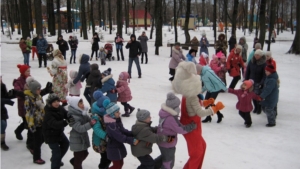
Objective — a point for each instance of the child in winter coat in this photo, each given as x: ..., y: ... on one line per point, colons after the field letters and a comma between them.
x: 223, y: 71
x: 169, y: 125
x: 99, y: 134
x: 53, y: 130
x: 270, y: 94
x: 204, y: 59
x: 93, y: 80
x: 80, y: 123
x: 74, y: 90
x: 244, y: 104
x: 191, y: 56
x: 117, y: 135
x: 102, y: 56
x: 124, y: 93
x: 215, y: 64
x: 34, y: 106
x: 108, y: 85
x: 146, y: 134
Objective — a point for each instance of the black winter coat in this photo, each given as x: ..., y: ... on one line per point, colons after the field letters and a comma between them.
x: 256, y: 70
x: 73, y: 44
x: 62, y: 45
x: 135, y: 48
x: 231, y: 42
x: 54, y: 123
x: 34, y: 41
x: 5, y: 99
x: 95, y: 45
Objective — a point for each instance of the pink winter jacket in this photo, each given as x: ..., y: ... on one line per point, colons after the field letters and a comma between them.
x: 215, y: 66
x: 177, y: 57
x: 124, y: 93
x: 244, y: 103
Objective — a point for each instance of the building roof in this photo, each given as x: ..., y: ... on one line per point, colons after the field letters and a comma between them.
x: 139, y: 14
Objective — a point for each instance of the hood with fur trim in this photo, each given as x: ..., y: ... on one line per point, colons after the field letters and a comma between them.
x: 186, y: 80
x: 167, y: 111
x: 176, y: 51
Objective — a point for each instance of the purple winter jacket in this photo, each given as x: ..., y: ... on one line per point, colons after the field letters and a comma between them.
x: 169, y: 125
x: 118, y: 135
x: 19, y: 85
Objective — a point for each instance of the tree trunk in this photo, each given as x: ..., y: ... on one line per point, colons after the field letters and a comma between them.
x: 282, y: 15
x: 158, y: 25
x: 186, y: 22
x: 109, y: 16
x: 51, y: 19
x: 119, y: 18
x: 2, y: 29
x: 58, y: 17
x: 272, y: 21
x: 234, y: 16
x: 145, y: 15
x: 126, y: 12
x: 203, y: 12
x: 175, y: 20
x: 38, y: 17
x: 133, y: 16
x: 225, y: 16
x: 277, y: 17
x: 18, y: 16
x: 30, y: 15
x: 99, y: 13
x: 88, y: 14
x: 69, y: 16
x: 215, y: 20
x: 292, y: 25
x: 251, y: 15
x: 164, y: 14
x: 295, y: 48
x: 13, y: 20
x: 152, y: 21
x: 246, y: 16
x: 9, y: 17
x: 257, y: 18
x: 24, y: 19
x: 83, y: 20
x: 92, y: 16
x: 103, y: 15
x: 262, y: 21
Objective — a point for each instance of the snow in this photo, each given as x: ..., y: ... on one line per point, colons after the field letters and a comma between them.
x: 229, y: 144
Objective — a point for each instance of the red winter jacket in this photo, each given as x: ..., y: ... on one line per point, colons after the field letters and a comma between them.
x: 234, y: 63
x: 203, y: 61
x: 244, y: 103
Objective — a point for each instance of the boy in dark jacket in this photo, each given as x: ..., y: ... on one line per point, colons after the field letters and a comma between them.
x: 55, y: 121
x: 62, y: 45
x: 270, y: 94
x: 135, y: 50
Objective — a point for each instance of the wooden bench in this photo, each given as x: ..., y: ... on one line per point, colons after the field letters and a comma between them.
x: 185, y: 46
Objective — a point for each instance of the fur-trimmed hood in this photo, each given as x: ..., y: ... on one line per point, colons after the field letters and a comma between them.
x: 186, y: 80
x: 167, y: 111
x: 260, y: 61
x: 106, y: 78
x: 176, y: 51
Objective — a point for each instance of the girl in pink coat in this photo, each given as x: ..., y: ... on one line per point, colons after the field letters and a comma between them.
x: 244, y: 104
x: 215, y: 64
x: 222, y: 61
x: 124, y: 93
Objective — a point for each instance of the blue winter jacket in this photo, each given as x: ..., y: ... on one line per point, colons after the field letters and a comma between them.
x: 108, y: 87
x: 212, y: 83
x: 191, y: 58
x: 98, y: 133
x: 42, y: 46
x: 204, y: 47
x: 270, y: 91
x: 84, y: 69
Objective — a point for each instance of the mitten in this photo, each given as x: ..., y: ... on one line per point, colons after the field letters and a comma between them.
x: 49, y: 86
x: 209, y: 102
x: 70, y: 119
x: 93, y: 122
x: 200, y: 96
x: 40, y: 104
x: 11, y: 93
x: 190, y: 127
x: 219, y: 106
x: 65, y: 123
x: 171, y: 139
x: 135, y: 142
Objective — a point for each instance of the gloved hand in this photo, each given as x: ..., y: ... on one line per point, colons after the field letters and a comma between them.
x: 135, y: 142
x: 32, y: 129
x: 193, y: 125
x: 48, y: 87
x: 70, y: 119
x: 11, y: 93
x: 65, y: 123
x: 40, y: 104
x: 171, y: 139
x: 93, y: 122
x: 200, y: 96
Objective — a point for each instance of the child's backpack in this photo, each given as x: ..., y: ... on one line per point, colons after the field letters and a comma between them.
x: 102, y: 146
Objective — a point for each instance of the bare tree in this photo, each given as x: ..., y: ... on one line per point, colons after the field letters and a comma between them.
x: 83, y: 20
x: 164, y: 13
x: 277, y: 18
x: 109, y: 16
x: 256, y: 26
x: 295, y: 48
x: 18, y: 16
x: 158, y: 25
x: 24, y: 19
x: 234, y: 16
x: 292, y: 27
x: 51, y: 17
x: 133, y: 15
x: 103, y: 16
x: 203, y: 12
x: 152, y: 13
x: 9, y: 16
x: 246, y: 15
x: 262, y: 20
x: 58, y: 17
x: 69, y: 16
x: 145, y: 15
x: 30, y: 15
x: 215, y: 20
x: 272, y: 21
x: 282, y: 16
x: 186, y: 22
x: 92, y: 16
x: 119, y: 18
x: 251, y: 15
x: 38, y: 17
x: 99, y: 12
x: 175, y: 20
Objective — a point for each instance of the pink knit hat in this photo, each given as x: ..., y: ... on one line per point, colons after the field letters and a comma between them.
x: 249, y: 83
x: 220, y: 55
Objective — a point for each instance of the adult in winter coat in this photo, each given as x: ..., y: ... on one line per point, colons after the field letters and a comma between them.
x: 73, y: 42
x: 59, y: 73
x: 270, y: 94
x: 119, y: 46
x: 95, y: 45
x: 135, y: 50
x: 108, y: 85
x: 234, y: 64
x: 244, y: 44
x: 196, y: 42
x: 81, y: 123
x: 257, y: 46
x: 256, y: 72
x: 213, y: 85
x: 83, y: 73
x: 55, y: 121
x: 187, y: 83
x: 143, y: 40
x: 5, y: 99
x: 23, y: 46
x: 176, y: 58
x: 93, y: 81
x: 62, y: 45
x: 42, y: 46
x: 33, y: 47
x: 204, y: 44
x: 221, y: 44
x: 232, y: 42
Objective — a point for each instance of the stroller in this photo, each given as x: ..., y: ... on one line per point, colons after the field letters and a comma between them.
x: 49, y: 51
x: 109, y: 50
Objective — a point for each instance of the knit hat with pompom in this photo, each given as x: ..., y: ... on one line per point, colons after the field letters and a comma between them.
x: 23, y: 68
x: 33, y: 85
x: 99, y: 97
x: 173, y: 102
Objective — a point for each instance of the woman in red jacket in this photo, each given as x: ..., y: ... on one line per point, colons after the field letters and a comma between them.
x: 234, y: 64
x: 270, y: 60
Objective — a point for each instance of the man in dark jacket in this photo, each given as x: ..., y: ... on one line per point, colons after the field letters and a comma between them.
x: 55, y: 121
x: 135, y: 50
x: 62, y: 45
x: 42, y: 46
x: 33, y: 47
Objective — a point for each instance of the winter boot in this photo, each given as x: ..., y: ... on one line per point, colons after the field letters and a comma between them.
x: 217, y: 107
x: 207, y: 119
x: 72, y: 161
x: 270, y: 125
x: 258, y: 109
x: 39, y: 161
x: 18, y: 135
x: 220, y: 116
x: 3, y: 145
x: 126, y: 114
x: 131, y: 109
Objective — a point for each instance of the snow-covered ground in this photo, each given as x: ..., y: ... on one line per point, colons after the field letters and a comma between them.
x: 229, y: 144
